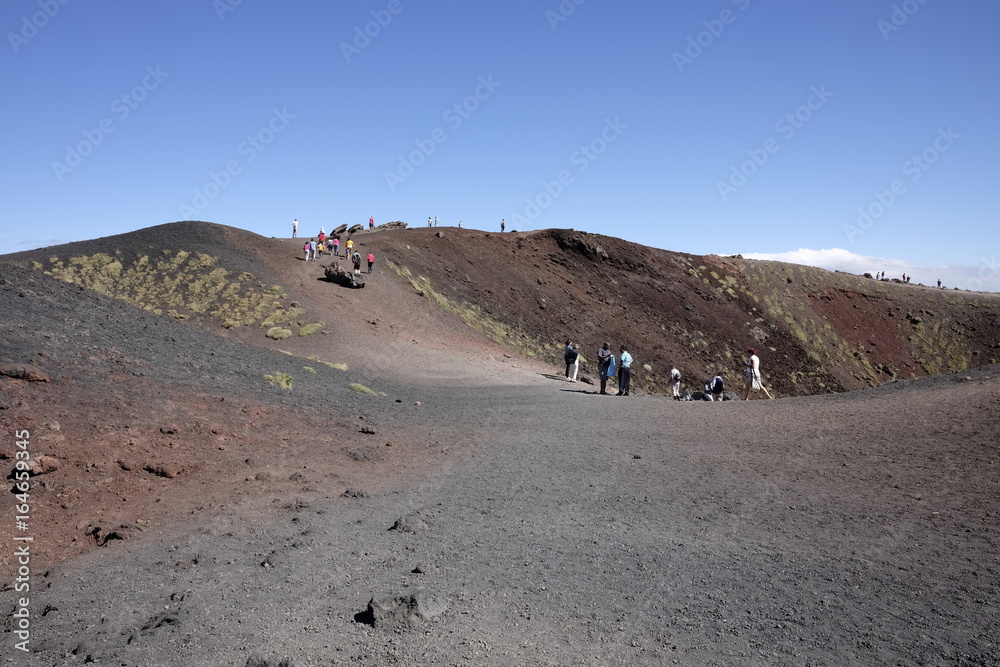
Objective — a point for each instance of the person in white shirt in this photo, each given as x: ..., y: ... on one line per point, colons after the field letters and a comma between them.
x: 624, y: 372
x: 675, y: 383
x: 753, y: 376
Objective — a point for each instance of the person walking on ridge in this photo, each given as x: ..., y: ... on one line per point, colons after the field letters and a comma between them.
x: 295, y: 228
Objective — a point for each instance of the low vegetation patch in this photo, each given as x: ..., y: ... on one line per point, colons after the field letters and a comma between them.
x: 277, y: 333
x: 310, y: 329
x: 475, y: 317
x: 283, y: 380
x: 185, y: 286
x: 361, y: 389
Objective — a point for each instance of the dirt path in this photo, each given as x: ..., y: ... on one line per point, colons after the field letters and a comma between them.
x: 578, y: 529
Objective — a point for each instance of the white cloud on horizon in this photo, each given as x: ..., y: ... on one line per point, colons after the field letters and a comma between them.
x: 984, y: 277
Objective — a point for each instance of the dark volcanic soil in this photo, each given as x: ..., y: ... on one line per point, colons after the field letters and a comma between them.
x: 491, y: 512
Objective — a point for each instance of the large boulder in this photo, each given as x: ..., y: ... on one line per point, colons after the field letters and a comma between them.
x: 346, y: 277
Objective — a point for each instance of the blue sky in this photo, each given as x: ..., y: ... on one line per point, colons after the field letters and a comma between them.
x: 852, y: 135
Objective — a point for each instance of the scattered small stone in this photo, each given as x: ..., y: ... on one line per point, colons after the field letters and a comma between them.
x: 422, y: 605
x: 43, y: 465
x: 126, y: 531
x: 256, y: 660
x: 368, y: 430
x: 410, y: 523
x: 262, y: 476
x: 24, y: 372
x: 354, y: 493
x: 366, y: 453
x: 168, y: 470
x: 636, y: 456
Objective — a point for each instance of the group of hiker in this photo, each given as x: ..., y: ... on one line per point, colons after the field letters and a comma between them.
x: 314, y: 248
x: 609, y: 367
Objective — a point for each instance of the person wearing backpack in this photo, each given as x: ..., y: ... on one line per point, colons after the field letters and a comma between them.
x: 717, y: 387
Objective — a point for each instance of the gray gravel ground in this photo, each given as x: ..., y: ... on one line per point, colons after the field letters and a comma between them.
x: 575, y: 529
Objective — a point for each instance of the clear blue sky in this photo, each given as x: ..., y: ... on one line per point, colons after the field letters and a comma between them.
x: 724, y: 126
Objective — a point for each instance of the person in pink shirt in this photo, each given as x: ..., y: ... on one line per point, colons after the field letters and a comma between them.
x: 371, y: 260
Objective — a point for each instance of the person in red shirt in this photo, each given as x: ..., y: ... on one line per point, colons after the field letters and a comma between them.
x: 371, y: 260
x: 371, y: 222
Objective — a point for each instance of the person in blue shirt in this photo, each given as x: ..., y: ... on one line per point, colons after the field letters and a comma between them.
x: 624, y: 372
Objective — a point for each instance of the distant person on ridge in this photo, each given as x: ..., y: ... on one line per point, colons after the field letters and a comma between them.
x: 436, y: 221
x: 322, y: 236
x: 371, y: 222
x: 429, y: 221
x: 371, y: 261
x: 295, y: 228
x: 753, y: 376
x: 604, y: 359
x: 624, y: 372
x: 503, y: 225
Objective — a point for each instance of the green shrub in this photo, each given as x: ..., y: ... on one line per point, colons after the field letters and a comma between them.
x: 283, y: 380
x: 277, y: 333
